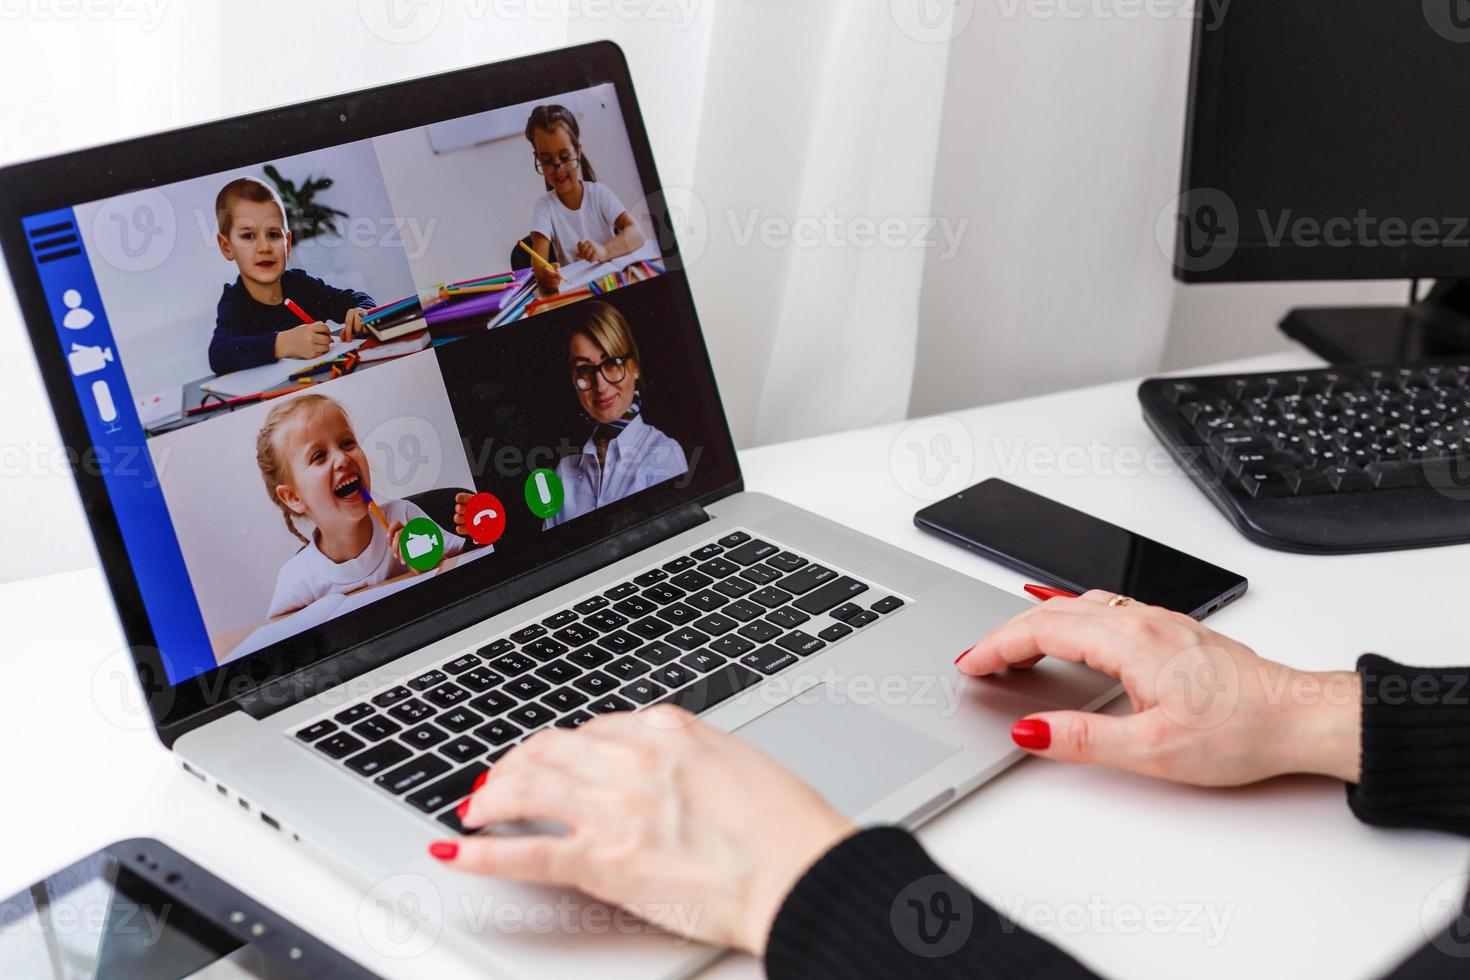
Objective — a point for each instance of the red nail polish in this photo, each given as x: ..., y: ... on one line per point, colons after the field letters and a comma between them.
x: 462, y: 809
x: 962, y: 656
x: 444, y: 850
x: 1031, y: 733
x: 479, y: 781
x: 1045, y: 592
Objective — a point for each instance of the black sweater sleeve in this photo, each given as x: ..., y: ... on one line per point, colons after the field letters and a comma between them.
x: 877, y: 906
x: 1416, y: 747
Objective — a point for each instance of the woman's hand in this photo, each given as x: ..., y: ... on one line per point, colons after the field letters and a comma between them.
x: 307, y: 340
x: 1208, y: 710
x: 673, y: 820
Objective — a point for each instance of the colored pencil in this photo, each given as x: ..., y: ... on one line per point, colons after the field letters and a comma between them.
x: 300, y: 313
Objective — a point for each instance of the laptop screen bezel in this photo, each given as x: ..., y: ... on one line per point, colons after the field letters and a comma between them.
x: 70, y: 179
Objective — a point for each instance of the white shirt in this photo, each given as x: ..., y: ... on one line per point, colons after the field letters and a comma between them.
x: 638, y: 458
x: 309, y: 574
x: 595, y: 221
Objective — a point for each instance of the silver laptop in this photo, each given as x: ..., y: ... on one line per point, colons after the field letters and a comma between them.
x: 399, y: 441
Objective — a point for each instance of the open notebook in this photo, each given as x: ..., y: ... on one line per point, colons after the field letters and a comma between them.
x: 268, y: 377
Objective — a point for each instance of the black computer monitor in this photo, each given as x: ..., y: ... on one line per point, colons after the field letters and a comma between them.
x: 1329, y: 140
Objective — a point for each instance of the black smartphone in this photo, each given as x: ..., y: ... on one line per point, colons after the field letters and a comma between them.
x: 1067, y: 549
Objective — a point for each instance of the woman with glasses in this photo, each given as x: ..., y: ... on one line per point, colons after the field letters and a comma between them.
x: 577, y: 217
x: 623, y: 454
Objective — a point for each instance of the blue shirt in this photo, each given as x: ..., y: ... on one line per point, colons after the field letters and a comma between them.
x: 245, y: 329
x: 638, y: 458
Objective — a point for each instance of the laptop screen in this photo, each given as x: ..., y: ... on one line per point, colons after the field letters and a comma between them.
x: 330, y: 391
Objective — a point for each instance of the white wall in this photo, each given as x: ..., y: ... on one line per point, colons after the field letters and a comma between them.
x: 233, y: 538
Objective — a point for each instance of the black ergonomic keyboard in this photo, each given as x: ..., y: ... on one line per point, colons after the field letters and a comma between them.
x: 1345, y: 459
x: 693, y: 631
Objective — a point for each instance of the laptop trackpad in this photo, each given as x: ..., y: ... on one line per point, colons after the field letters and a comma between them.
x: 853, y: 754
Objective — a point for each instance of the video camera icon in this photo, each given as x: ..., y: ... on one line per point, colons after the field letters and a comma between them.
x: 421, y: 544
x: 87, y: 359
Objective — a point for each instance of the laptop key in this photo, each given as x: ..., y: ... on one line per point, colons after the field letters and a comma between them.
x: 392, y: 696
x: 480, y: 679
x: 635, y: 606
x: 787, y: 617
x: 744, y: 610
x: 340, y: 745
x: 378, y: 758
x: 663, y: 593
x: 463, y: 749
x: 425, y: 736
x: 719, y: 568
x: 650, y: 577
x: 313, y: 732
x: 786, y: 561
x: 678, y: 614
x: 691, y: 581
x: 801, y: 644
x: 447, y: 695
x: 732, y: 646
x: 564, y: 699
x: 558, y: 672
x: 650, y: 627
x: 531, y: 716
x: 557, y: 620
x: 494, y: 703
x: 377, y: 728
x: 589, y: 657
x: 527, y: 687
x: 450, y: 789
x: 734, y: 587
x: 768, y: 659
x: 703, y: 661
x: 751, y: 552
x: 608, y: 705
x: 863, y: 619
x: 846, y: 611
x: 770, y: 597
x: 657, y: 654
x: 706, y: 601
x: 544, y: 649
x: 708, y: 551
x: 498, y: 732
x: 674, y: 675
x: 678, y: 564
x: 716, y: 625
x: 760, y: 574
x: 643, y: 691
x: 412, y: 774
x: 733, y: 538
x: 528, y: 633
x: 835, y: 632
x: 462, y: 663
x: 458, y: 720
x: 574, y: 720
x: 576, y: 634
x: 595, y: 683
x: 887, y: 604
x: 620, y: 641
x: 713, y: 688
x: 496, y: 649
x: 760, y: 631
x: 807, y: 579
x: 355, y: 713
x: 688, y: 638
x: 605, y: 620
x: 621, y: 591
x: 627, y: 668
x: 589, y: 606
x: 832, y: 594
x: 431, y: 679
x: 512, y: 664
x: 411, y: 712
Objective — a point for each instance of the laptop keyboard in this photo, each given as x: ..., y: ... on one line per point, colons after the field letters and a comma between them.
x: 693, y: 631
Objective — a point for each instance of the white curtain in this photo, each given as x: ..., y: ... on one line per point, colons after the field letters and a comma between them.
x: 891, y: 205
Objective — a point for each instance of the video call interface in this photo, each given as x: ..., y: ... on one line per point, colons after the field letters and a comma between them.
x: 357, y: 369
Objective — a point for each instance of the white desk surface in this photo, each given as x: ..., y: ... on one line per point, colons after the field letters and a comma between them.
x: 1136, y: 878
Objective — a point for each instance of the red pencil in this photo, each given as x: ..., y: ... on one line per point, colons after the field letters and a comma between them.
x: 299, y: 312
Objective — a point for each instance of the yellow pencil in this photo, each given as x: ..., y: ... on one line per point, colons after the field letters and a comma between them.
x: 536, y: 257
x: 466, y: 290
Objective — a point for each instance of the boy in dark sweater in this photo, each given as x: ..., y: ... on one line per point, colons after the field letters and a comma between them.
x: 253, y: 326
